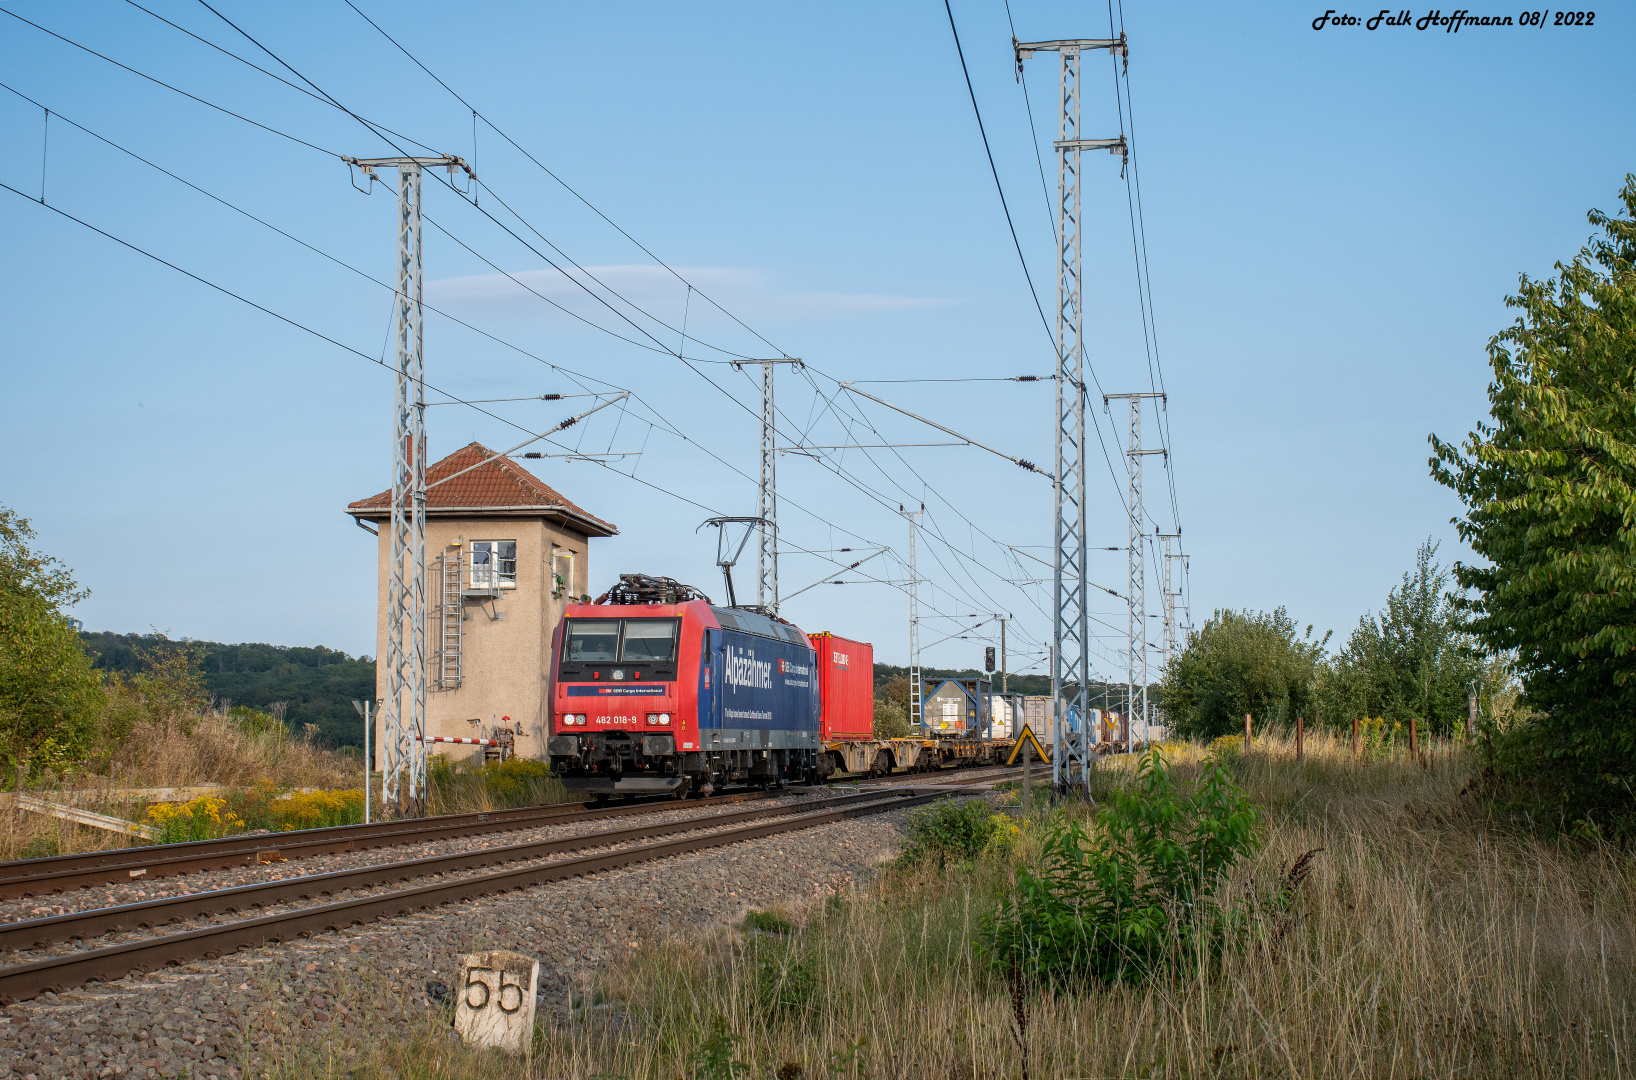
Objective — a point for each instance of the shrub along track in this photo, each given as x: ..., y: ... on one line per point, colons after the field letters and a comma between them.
x: 23, y: 981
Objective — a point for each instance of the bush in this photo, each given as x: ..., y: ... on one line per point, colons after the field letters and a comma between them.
x: 768, y: 922
x: 317, y: 809
x: 50, y: 698
x: 1241, y: 662
x: 457, y: 787
x: 1111, y: 908
x: 1547, y: 484
x: 204, y: 818
x: 891, y: 720
x: 960, y: 830
x: 518, y: 782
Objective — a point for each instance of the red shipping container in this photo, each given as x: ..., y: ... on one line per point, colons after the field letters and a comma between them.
x: 846, y: 688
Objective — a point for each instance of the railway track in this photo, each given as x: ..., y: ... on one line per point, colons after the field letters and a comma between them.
x: 22, y: 981
x: 60, y: 873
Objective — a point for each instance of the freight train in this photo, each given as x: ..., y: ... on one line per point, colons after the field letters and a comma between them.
x: 657, y: 690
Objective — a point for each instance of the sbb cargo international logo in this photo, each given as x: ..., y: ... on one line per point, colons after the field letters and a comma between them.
x: 787, y: 668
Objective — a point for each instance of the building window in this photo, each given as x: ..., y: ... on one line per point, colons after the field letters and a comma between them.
x: 562, y: 572
x: 494, y: 564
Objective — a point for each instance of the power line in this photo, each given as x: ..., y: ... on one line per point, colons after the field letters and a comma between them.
x: 538, y: 164
x: 998, y: 187
x: 374, y: 128
x: 994, y: 170
x: 173, y: 89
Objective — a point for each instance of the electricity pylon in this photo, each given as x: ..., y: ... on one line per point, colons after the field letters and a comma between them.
x: 916, y: 696
x: 767, y: 502
x: 1070, y: 636
x: 403, y: 747
x: 1170, y: 594
x: 1136, y: 589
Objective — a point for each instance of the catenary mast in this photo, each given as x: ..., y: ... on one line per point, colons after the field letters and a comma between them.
x: 1070, y: 655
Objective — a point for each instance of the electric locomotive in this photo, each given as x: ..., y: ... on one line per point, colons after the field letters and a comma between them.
x: 655, y: 690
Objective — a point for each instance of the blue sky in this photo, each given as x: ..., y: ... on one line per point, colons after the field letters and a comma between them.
x: 1333, y: 219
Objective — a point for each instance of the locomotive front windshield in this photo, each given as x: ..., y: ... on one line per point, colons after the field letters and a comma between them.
x: 592, y: 639
x: 628, y: 641
x: 649, y: 640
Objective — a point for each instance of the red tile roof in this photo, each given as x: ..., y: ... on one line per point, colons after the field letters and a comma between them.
x: 500, y: 484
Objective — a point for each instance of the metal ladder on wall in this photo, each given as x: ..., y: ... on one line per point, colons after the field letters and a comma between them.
x: 450, y: 613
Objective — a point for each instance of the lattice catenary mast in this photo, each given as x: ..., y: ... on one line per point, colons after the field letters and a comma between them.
x: 404, y: 714
x: 767, y: 502
x: 916, y: 694
x: 1070, y: 660
x: 1171, y: 595
x: 1136, y: 588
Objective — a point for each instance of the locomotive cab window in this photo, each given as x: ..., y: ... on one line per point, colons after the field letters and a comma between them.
x: 592, y: 640
x: 649, y: 640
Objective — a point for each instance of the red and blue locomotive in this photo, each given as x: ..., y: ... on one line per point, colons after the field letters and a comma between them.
x: 655, y: 690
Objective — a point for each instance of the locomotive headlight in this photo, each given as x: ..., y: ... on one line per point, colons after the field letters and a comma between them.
x: 664, y: 718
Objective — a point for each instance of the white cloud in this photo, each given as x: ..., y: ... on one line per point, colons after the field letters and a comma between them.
x: 746, y: 293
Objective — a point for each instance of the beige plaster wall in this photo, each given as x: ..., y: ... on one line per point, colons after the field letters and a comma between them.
x: 506, y: 660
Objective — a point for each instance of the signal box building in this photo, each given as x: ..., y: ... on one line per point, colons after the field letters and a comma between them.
x: 505, y: 552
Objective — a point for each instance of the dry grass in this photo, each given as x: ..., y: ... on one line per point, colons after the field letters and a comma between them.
x: 214, y: 749
x: 202, y: 748
x: 1428, y: 942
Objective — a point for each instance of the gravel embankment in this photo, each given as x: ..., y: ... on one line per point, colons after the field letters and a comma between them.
x: 336, y: 994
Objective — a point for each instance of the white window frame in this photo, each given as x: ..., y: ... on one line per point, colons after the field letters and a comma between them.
x: 492, y: 577
x: 565, y: 591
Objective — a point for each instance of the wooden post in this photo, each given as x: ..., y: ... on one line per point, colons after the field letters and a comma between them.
x: 1028, y: 778
x: 1246, y: 734
x: 1354, y: 736
x: 1471, y: 715
x: 1300, y: 739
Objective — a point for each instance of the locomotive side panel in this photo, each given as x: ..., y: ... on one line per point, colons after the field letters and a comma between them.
x: 769, y: 697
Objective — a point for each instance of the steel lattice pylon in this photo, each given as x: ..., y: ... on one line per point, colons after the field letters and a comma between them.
x: 1170, y: 595
x: 767, y: 498
x: 767, y: 508
x: 403, y: 715
x: 916, y: 690
x: 1136, y: 673
x: 1070, y: 657
x: 406, y: 621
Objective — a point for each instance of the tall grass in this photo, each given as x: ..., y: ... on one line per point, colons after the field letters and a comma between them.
x: 217, y: 749
x: 1428, y: 941
x: 475, y: 785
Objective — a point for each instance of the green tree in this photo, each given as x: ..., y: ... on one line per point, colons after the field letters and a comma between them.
x: 1549, y: 489
x: 49, y: 697
x: 1413, y: 659
x: 1241, y: 662
x: 891, y: 720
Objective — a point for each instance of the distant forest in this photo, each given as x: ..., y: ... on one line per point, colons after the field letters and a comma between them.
x: 318, y: 683
x: 1103, y: 695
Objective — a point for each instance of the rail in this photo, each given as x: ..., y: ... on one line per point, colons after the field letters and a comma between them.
x: 59, y: 873
x: 22, y: 981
